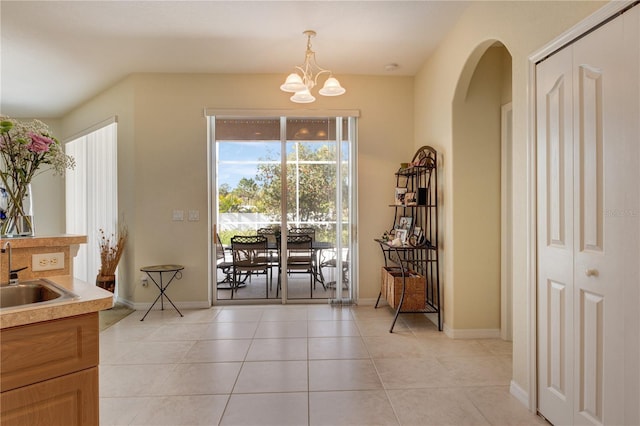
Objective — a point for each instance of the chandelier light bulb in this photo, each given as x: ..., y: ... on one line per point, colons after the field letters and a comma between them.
x: 332, y: 88
x: 293, y: 84
x: 303, y: 97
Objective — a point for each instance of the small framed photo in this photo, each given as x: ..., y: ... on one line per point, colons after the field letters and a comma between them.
x: 405, y: 223
x: 400, y: 194
x: 410, y: 199
x: 401, y: 234
x: 417, y: 237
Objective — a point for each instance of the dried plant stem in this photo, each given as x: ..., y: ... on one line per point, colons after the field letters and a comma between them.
x: 110, y: 254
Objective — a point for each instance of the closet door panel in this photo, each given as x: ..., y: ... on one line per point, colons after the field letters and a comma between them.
x: 604, y: 239
x: 555, y: 236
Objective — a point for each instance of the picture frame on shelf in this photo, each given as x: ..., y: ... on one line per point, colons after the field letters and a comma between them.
x: 399, y: 196
x: 411, y: 199
x: 405, y: 223
x: 417, y: 237
x: 401, y: 234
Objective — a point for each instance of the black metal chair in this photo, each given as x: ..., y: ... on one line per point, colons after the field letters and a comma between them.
x: 272, y: 254
x: 307, y: 230
x: 297, y: 260
x: 250, y: 257
x: 224, y: 263
x: 332, y: 262
x: 303, y: 230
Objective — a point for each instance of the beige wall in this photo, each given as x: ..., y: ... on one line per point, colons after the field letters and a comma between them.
x: 522, y: 27
x: 162, y: 162
x: 476, y: 177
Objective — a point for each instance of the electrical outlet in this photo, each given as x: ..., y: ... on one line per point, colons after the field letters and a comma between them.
x: 144, y: 281
x: 47, y: 261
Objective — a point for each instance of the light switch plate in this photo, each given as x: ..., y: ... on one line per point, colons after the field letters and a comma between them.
x: 47, y: 261
x: 194, y: 215
x: 178, y: 215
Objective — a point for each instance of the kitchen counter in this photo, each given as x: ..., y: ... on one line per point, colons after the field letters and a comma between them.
x: 91, y: 299
x: 45, y: 241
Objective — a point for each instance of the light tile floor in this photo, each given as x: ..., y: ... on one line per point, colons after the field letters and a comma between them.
x: 300, y: 365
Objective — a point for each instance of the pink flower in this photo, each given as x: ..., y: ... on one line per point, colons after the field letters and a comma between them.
x: 39, y: 143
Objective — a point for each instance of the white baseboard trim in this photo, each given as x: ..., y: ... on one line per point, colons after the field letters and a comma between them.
x: 125, y: 302
x: 372, y: 302
x: 471, y: 333
x: 143, y: 306
x: 520, y: 394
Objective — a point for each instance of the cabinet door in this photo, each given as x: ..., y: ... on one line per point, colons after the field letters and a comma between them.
x: 40, y: 351
x: 68, y: 400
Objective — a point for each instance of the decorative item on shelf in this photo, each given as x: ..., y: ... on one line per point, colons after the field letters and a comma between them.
x: 27, y: 149
x: 301, y: 85
x: 399, y: 197
x: 417, y: 237
x: 410, y: 199
x: 414, y: 289
x: 111, y: 249
x: 422, y: 196
x: 404, y: 165
x: 405, y: 223
x: 385, y: 236
x: 401, y: 235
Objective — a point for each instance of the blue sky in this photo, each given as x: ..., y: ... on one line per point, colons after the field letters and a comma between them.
x: 239, y: 159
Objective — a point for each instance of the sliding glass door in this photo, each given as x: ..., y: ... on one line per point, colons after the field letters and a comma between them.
x: 282, y: 177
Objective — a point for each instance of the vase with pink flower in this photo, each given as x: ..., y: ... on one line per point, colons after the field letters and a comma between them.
x: 27, y: 149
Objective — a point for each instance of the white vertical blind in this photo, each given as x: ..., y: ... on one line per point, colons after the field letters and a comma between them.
x: 92, y: 195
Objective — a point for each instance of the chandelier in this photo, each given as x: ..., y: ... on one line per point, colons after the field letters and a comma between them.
x: 301, y: 85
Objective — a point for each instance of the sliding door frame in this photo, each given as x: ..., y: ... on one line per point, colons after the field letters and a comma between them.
x: 284, y: 115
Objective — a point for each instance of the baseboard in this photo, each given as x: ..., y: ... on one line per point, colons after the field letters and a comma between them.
x: 372, y: 302
x: 125, y: 302
x: 471, y: 333
x: 143, y: 306
x: 519, y: 393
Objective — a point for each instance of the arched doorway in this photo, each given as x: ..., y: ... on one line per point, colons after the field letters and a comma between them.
x: 481, y: 176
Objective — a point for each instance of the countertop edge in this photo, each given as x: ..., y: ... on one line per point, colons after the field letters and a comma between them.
x: 45, y: 241
x: 91, y: 299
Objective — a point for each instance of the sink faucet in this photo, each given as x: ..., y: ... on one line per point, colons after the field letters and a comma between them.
x: 13, y: 274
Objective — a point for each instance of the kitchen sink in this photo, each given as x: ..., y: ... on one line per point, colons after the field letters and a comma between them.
x: 37, y: 292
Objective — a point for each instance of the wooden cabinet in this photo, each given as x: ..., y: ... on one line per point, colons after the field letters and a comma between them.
x: 49, y: 372
x: 68, y: 400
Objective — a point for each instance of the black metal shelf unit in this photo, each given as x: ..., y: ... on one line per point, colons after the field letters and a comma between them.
x: 417, y: 255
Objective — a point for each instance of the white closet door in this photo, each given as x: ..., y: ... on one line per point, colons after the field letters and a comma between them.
x: 555, y: 236
x: 606, y: 234
x: 587, y: 273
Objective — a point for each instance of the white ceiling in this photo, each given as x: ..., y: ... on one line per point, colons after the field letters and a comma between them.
x: 56, y: 54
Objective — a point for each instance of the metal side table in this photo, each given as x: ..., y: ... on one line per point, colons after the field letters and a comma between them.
x: 175, y: 271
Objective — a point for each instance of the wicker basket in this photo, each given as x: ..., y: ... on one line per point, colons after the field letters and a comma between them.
x: 414, y: 298
x: 107, y: 282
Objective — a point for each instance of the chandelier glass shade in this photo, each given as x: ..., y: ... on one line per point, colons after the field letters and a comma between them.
x: 301, y: 82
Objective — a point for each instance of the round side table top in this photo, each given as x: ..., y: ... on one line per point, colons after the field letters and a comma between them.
x: 162, y: 268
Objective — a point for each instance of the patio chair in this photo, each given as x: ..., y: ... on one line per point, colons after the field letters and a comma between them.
x: 224, y: 263
x: 297, y: 260
x: 331, y: 261
x: 250, y: 254
x: 272, y: 253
